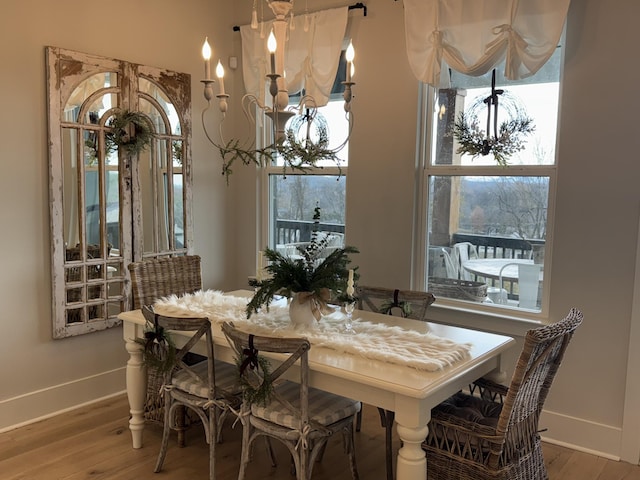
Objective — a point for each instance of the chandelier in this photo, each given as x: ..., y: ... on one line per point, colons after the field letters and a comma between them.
x: 299, y: 138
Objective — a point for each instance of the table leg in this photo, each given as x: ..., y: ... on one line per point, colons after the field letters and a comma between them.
x: 136, y: 390
x: 499, y: 375
x: 412, y: 462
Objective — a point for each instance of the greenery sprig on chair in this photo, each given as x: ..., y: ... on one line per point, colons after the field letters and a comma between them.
x: 387, y: 308
x: 323, y: 278
x: 254, y: 376
x: 159, y: 350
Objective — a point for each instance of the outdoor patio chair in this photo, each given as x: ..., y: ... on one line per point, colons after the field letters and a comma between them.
x: 492, y: 434
x: 462, y: 252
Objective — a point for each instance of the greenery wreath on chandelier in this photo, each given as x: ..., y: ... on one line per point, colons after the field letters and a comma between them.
x: 295, y: 153
x: 130, y: 131
x: 506, y: 140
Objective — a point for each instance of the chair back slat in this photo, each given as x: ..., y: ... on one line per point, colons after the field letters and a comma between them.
x: 295, y: 349
x: 202, y: 328
x: 390, y: 301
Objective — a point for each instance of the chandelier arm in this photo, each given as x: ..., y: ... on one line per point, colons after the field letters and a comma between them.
x: 349, y: 116
x: 204, y: 126
x: 248, y: 100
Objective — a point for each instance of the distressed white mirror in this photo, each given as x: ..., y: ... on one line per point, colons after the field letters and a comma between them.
x: 120, y: 180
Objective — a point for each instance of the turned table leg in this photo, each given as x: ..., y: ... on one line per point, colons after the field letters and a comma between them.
x: 136, y: 390
x: 412, y: 462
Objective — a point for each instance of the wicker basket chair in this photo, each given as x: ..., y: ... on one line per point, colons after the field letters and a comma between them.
x: 203, y: 388
x: 493, y: 433
x: 155, y: 278
x: 301, y: 417
x: 152, y: 279
x: 403, y: 303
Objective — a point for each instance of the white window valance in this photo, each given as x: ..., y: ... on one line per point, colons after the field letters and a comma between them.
x: 311, y: 56
x: 472, y: 37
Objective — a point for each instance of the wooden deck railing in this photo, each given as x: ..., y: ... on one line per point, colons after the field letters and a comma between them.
x: 295, y: 231
x: 497, y: 247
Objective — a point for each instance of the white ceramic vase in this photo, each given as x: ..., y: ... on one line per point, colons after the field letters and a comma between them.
x: 300, y: 312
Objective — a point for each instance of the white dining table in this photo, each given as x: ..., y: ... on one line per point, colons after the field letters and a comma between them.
x: 409, y: 392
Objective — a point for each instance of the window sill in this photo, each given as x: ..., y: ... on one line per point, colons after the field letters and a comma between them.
x: 480, y: 317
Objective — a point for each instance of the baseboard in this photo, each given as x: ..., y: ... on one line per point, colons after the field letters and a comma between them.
x: 571, y: 432
x: 35, y: 406
x: 582, y: 435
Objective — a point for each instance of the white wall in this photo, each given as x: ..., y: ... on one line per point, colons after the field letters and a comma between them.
x: 596, y: 217
x: 37, y: 374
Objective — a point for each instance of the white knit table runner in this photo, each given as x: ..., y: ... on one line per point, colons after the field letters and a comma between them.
x: 376, y: 341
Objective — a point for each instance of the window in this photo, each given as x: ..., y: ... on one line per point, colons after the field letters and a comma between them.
x: 485, y: 228
x: 291, y: 197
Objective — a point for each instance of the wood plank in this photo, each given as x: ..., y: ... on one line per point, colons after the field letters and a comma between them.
x: 94, y: 442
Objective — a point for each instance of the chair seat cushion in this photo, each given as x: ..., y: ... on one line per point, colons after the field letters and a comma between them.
x: 226, y: 379
x: 324, y: 408
x: 472, y: 409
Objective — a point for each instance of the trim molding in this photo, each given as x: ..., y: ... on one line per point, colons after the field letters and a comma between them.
x: 630, y: 449
x: 571, y: 432
x: 35, y: 406
x: 582, y: 435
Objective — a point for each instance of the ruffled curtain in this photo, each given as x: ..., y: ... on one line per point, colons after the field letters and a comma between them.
x: 474, y: 36
x: 311, y: 57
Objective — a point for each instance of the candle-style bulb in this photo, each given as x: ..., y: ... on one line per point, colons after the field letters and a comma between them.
x: 254, y: 20
x: 206, y: 49
x: 206, y: 54
x: 220, y: 75
x: 349, y: 56
x: 272, y: 44
x: 350, y: 53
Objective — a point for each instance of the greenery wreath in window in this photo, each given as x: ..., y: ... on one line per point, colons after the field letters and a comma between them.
x: 506, y: 140
x: 130, y: 131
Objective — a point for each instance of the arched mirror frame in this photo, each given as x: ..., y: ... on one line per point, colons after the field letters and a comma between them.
x: 110, y: 207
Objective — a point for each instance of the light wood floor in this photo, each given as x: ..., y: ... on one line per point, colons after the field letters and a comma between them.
x: 94, y: 443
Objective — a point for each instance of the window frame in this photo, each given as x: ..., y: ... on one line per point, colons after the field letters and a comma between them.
x: 428, y: 169
x: 264, y: 206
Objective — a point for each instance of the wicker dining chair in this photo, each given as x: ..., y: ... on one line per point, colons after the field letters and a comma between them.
x: 492, y: 434
x: 301, y: 417
x: 209, y: 389
x: 152, y: 279
x: 403, y: 303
